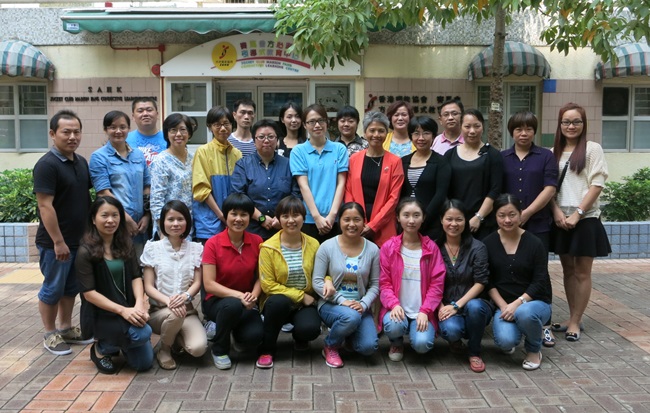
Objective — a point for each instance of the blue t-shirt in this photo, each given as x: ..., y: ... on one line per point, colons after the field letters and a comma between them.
x: 322, y: 170
x: 149, y: 145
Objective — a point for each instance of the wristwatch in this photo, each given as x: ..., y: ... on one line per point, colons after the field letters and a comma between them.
x: 479, y: 216
x: 455, y: 306
x: 262, y: 218
x: 523, y: 300
x: 189, y: 297
x: 580, y: 211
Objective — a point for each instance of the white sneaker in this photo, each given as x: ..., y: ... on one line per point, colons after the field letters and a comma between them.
x: 287, y: 328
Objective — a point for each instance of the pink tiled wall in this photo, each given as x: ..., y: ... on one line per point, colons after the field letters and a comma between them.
x: 92, y: 113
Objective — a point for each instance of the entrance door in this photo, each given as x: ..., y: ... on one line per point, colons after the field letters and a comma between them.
x: 268, y: 98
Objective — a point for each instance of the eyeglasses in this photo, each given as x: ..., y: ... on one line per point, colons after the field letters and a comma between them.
x: 174, y: 131
x: 448, y: 114
x: 266, y: 137
x: 226, y: 125
x: 576, y: 122
x: 321, y: 122
x: 121, y: 128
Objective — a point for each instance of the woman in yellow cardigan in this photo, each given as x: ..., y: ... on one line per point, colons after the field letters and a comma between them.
x: 285, y: 265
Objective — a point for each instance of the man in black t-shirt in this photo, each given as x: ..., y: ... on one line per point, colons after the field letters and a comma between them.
x: 61, y: 184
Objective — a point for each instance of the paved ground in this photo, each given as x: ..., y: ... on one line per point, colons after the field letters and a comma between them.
x: 607, y: 371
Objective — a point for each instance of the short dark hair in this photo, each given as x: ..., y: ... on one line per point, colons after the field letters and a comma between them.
x: 144, y: 99
x: 451, y: 102
x: 178, y: 206
x: 290, y: 204
x: 174, y: 120
x: 217, y: 113
x: 112, y: 116
x: 351, y: 205
x: 396, y: 105
x: 238, y: 201
x: 245, y: 102
x: 348, y: 112
x: 473, y: 112
x: 266, y: 123
x: 523, y: 118
x: 63, y: 114
x: 506, y: 199
x: 425, y: 122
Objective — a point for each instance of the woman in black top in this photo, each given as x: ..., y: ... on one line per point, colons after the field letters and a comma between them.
x: 112, y: 288
x: 476, y: 174
x: 519, y: 283
x: 293, y: 131
x: 426, y: 174
x: 462, y: 312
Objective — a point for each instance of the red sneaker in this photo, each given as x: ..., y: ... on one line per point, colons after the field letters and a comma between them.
x: 332, y: 357
x: 265, y: 361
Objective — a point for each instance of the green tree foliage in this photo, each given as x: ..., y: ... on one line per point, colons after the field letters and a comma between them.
x: 628, y: 200
x: 17, y: 202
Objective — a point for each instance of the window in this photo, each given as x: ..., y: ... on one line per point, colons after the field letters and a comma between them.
x: 192, y: 99
x: 626, y: 118
x: 23, y: 117
x: 516, y: 97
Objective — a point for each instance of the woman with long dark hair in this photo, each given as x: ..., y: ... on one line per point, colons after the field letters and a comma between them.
x: 111, y: 284
x: 292, y: 130
x: 580, y: 235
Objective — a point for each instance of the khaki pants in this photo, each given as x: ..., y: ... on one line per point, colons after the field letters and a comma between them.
x: 187, y: 332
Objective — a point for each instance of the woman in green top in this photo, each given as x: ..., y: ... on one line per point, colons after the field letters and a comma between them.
x: 113, y: 293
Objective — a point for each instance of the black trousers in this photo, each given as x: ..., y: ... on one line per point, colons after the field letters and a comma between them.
x: 230, y: 316
x: 278, y: 310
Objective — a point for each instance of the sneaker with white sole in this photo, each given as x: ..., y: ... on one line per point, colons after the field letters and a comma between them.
x: 396, y: 353
x: 210, y: 329
x: 332, y: 357
x: 265, y: 361
x: 222, y: 362
x: 287, y: 328
x: 55, y: 344
x: 73, y: 336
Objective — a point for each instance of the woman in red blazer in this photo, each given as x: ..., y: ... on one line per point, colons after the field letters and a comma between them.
x: 375, y: 180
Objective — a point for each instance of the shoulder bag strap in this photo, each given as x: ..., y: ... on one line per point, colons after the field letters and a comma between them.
x: 559, y: 183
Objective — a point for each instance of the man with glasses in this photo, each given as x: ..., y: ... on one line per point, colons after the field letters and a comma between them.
x: 449, y: 114
x: 147, y: 137
x: 242, y: 138
x: 266, y: 178
x: 61, y: 184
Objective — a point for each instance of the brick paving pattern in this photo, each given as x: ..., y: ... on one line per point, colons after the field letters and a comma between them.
x: 607, y: 371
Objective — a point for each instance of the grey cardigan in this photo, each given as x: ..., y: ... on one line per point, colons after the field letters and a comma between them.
x: 330, y: 260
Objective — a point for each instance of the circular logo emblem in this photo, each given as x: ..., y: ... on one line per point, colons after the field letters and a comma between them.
x: 224, y: 56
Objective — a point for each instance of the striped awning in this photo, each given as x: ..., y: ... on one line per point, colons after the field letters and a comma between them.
x: 633, y: 60
x: 18, y: 58
x: 518, y: 59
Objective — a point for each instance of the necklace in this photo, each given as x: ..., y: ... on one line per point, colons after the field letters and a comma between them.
x: 378, y: 163
x: 453, y: 255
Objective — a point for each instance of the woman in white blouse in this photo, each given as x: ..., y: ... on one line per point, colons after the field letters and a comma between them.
x: 172, y: 277
x: 580, y: 235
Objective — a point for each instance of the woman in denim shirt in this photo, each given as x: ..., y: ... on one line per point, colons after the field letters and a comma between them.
x: 120, y: 171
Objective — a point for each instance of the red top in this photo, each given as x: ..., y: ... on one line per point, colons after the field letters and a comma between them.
x: 235, y: 270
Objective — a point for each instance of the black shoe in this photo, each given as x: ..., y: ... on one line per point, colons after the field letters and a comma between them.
x: 105, y: 364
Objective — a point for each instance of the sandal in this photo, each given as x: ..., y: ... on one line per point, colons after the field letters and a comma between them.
x: 562, y: 328
x: 105, y: 364
x: 476, y: 364
x: 571, y: 336
x: 547, y: 338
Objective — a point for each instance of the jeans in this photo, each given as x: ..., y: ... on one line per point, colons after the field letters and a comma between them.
x: 230, y: 316
x: 421, y: 341
x: 139, y: 354
x: 470, y: 323
x: 345, y: 322
x: 59, y: 277
x: 280, y: 309
x: 529, y: 319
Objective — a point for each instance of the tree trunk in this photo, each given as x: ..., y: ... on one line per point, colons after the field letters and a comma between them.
x: 495, y: 127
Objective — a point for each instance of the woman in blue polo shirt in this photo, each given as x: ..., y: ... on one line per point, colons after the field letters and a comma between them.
x: 320, y: 167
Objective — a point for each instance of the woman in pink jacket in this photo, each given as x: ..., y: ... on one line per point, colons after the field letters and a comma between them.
x: 411, y: 283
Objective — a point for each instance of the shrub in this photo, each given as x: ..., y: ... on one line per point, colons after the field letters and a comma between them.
x: 17, y: 202
x: 628, y: 200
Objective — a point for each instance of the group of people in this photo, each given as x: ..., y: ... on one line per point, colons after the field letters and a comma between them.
x: 276, y: 226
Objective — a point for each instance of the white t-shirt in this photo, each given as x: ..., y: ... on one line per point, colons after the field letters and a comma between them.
x: 410, y: 295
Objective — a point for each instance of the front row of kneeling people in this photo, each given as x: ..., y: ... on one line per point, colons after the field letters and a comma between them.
x: 452, y: 286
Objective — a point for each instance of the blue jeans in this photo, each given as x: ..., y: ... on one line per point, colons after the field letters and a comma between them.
x: 139, y: 355
x: 345, y: 322
x: 59, y: 277
x: 529, y: 319
x: 470, y: 323
x: 421, y: 341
